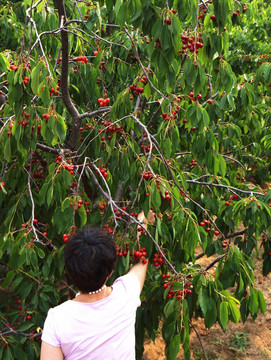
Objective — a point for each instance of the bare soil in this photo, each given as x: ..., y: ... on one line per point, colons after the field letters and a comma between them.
x: 249, y: 341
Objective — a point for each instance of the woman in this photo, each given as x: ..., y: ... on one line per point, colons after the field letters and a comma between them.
x: 99, y: 323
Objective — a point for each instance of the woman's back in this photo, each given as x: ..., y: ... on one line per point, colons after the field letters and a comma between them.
x: 97, y: 330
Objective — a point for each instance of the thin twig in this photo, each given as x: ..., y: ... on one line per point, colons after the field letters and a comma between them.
x: 204, y: 352
x: 225, y: 187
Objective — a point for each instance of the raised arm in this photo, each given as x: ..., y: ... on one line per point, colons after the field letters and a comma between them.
x: 140, y: 270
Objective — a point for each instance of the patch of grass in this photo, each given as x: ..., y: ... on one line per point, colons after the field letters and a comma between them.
x: 239, y: 341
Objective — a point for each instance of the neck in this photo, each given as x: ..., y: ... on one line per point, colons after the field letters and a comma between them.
x: 86, y: 297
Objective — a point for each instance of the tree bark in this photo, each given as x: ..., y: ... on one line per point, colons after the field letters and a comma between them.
x: 76, y: 121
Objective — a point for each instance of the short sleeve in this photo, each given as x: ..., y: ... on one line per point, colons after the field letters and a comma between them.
x: 132, y: 289
x: 49, y: 334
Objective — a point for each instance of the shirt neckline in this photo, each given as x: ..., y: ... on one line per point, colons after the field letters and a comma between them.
x: 94, y: 302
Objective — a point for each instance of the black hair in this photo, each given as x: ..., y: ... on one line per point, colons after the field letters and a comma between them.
x: 90, y: 256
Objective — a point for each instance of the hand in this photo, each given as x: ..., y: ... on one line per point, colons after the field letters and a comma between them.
x: 151, y: 218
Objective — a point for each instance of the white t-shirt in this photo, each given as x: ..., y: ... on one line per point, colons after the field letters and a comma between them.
x: 101, y: 330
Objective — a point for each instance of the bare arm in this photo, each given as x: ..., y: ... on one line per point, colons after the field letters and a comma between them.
x: 140, y: 270
x: 49, y: 352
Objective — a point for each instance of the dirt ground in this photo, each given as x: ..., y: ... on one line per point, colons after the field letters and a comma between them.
x: 249, y: 341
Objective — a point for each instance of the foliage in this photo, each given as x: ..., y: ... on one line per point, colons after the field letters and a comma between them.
x: 108, y: 108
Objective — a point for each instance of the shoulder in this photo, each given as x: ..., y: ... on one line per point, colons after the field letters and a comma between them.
x: 129, y: 284
x: 127, y: 279
x: 60, y: 309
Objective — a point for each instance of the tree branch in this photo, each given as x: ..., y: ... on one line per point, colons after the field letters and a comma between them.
x: 76, y: 121
x: 225, y: 187
x: 215, y: 261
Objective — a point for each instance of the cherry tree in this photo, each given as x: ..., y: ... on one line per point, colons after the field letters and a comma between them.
x: 109, y: 108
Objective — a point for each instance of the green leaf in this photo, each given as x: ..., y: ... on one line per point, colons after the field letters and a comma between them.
x: 223, y: 314
x: 211, y: 314
x: 83, y: 216
x: 173, y: 347
x: 50, y: 194
x: 261, y: 302
x: 7, y: 150
x: 60, y: 127
x: 170, y: 307
x: 203, y: 300
x: 36, y: 77
x: 9, y: 277
x: 41, y: 253
x: 234, y: 311
x: 253, y: 302
x: 156, y: 199
x: 137, y: 10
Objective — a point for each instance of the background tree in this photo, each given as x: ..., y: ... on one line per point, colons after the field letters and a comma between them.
x: 111, y: 107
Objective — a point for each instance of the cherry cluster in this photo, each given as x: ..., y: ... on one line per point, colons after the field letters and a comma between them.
x: 53, y: 91
x: 136, y: 89
x: 158, y: 43
x: 179, y: 294
x: 69, y: 166
x: 102, y: 206
x: 77, y: 204
x: 66, y: 237
x: 26, y: 80
x: 13, y: 67
x: 225, y: 244
x: 206, y: 223
x: 239, y: 177
x: 146, y: 148
x: 146, y: 175
x: 103, y: 102
x: 193, y: 163
x: 109, y: 229
x: 168, y: 21
x: 140, y: 255
x: 46, y: 116
x: 190, y: 44
x: 102, y: 66
x: 167, y: 196
x: 82, y: 59
x: 103, y: 172
x: 121, y: 252
x: 158, y: 260
x: 110, y: 128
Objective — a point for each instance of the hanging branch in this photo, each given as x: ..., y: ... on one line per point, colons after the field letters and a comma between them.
x: 141, y: 65
x: 37, y: 34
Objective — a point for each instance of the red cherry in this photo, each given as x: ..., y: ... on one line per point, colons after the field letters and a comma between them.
x: 216, y: 232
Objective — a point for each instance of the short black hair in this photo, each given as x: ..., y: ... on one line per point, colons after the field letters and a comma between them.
x: 90, y: 256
